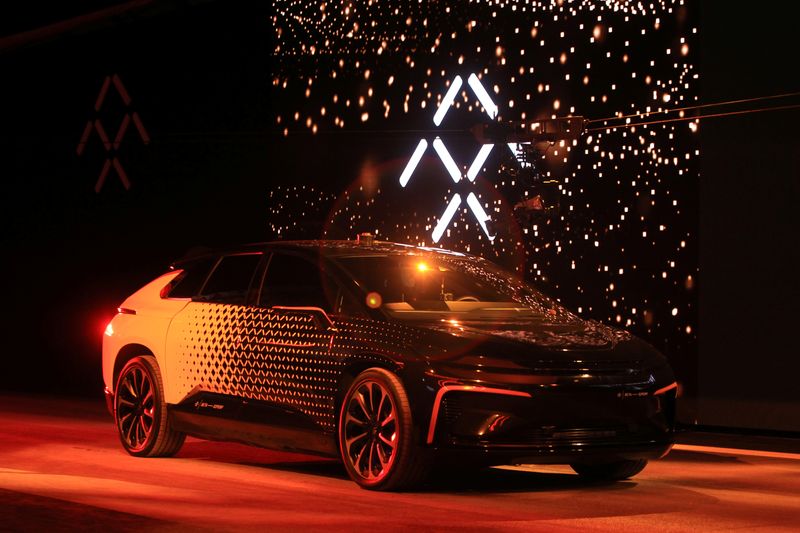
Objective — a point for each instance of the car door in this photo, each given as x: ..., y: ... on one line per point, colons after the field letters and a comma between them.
x: 297, y: 369
x: 255, y: 369
x: 201, y: 342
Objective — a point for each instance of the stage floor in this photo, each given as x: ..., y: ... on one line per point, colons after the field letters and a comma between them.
x: 62, y: 468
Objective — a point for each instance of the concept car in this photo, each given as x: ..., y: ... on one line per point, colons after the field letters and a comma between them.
x: 391, y: 357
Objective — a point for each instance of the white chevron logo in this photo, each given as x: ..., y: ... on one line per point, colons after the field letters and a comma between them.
x: 449, y: 164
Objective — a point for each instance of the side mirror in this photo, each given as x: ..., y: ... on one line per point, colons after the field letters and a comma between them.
x: 321, y: 318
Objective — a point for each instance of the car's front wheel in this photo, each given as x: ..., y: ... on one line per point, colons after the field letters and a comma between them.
x: 141, y: 412
x: 612, y: 471
x: 376, y: 434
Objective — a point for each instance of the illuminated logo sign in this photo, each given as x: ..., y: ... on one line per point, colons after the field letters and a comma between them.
x: 449, y: 164
x: 452, y: 168
x: 112, y: 146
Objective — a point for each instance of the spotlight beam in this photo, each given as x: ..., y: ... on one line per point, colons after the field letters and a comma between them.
x: 447, y: 216
x: 480, y: 214
x: 483, y: 96
x: 413, y: 162
x: 444, y: 155
x: 447, y: 101
x: 480, y: 159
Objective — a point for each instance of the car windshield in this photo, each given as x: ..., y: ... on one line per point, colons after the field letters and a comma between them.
x: 439, y: 286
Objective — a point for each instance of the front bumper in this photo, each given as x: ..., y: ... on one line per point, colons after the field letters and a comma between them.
x: 557, y: 455
x: 554, y: 426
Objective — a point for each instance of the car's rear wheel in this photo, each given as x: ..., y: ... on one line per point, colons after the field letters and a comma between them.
x: 376, y: 434
x: 141, y: 412
x: 612, y: 471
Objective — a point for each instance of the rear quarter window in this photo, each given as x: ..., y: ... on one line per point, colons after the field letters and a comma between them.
x: 230, y: 280
x: 189, y: 282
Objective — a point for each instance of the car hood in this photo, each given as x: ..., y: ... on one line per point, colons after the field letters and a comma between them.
x: 511, y: 352
x: 574, y: 335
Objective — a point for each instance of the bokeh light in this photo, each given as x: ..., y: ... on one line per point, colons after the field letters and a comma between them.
x: 621, y: 245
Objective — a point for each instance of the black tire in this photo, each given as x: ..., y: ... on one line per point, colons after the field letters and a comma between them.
x: 140, y: 411
x: 613, y: 471
x: 381, y: 394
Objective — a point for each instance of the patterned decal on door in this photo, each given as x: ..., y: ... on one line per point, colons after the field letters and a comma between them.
x: 281, y: 358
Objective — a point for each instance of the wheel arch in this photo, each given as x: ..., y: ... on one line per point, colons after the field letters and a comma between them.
x: 410, y: 464
x: 353, y: 369
x: 125, y: 354
x: 356, y: 367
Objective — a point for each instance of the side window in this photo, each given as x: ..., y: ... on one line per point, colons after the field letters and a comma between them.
x: 188, y: 283
x: 231, y: 279
x: 295, y: 282
x: 349, y: 307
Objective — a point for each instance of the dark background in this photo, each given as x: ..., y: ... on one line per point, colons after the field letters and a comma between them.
x: 219, y: 170
x: 749, y: 222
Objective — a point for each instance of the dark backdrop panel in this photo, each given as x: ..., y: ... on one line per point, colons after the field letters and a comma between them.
x: 750, y: 190
x: 194, y: 72
x: 206, y: 80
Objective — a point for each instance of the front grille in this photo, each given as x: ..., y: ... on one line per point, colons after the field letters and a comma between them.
x: 562, y: 437
x: 579, y: 434
x: 572, y: 368
x: 548, y: 419
x: 450, y: 409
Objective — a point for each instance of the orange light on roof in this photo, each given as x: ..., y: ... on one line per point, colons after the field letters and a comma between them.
x: 422, y: 266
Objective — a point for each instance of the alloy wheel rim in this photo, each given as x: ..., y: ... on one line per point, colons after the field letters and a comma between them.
x: 370, y: 431
x: 135, y: 408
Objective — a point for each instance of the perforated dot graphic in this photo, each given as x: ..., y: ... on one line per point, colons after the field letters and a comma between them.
x: 281, y: 358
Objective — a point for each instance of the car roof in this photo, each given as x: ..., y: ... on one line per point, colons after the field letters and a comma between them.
x: 328, y: 248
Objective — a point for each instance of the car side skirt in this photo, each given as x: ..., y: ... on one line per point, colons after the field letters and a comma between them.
x: 227, y: 418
